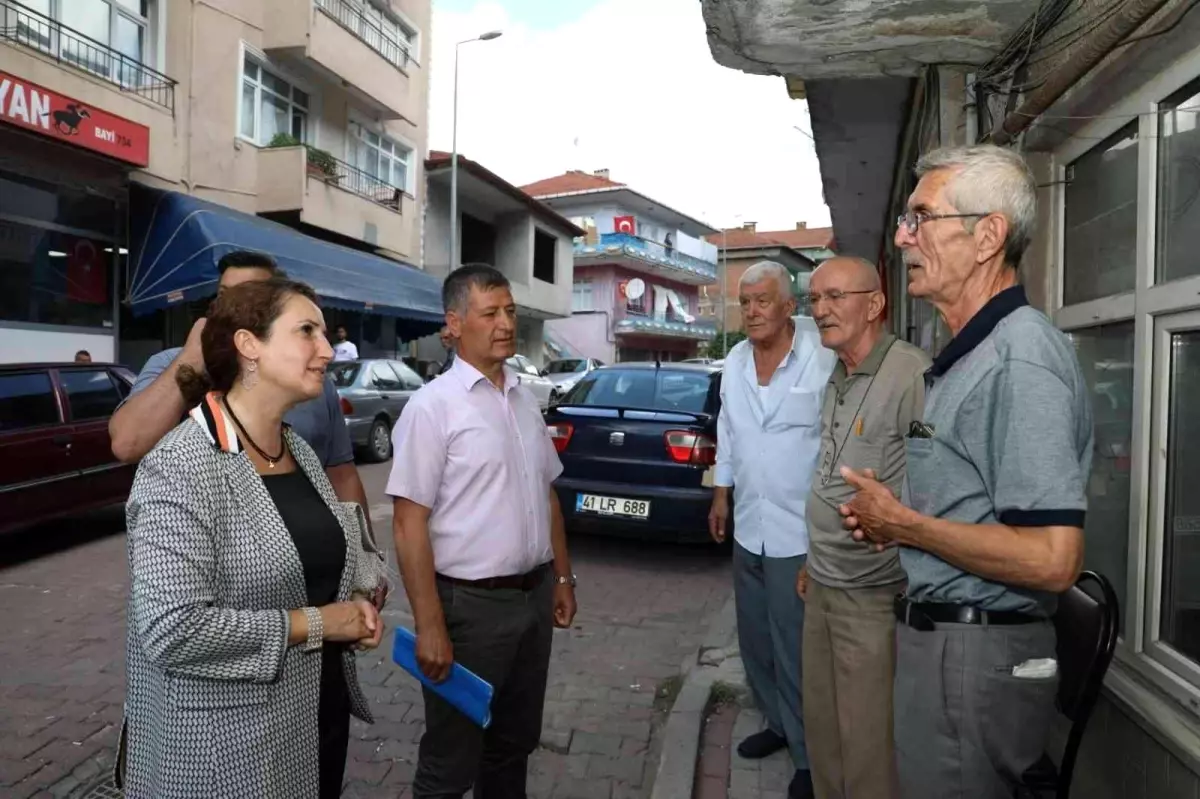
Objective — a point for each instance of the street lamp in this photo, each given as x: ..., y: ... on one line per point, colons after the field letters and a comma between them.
x: 486, y: 37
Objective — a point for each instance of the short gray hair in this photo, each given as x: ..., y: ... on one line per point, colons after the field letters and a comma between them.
x: 765, y: 270
x: 990, y: 179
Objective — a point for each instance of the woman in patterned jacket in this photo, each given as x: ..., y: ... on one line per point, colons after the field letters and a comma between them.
x: 249, y: 578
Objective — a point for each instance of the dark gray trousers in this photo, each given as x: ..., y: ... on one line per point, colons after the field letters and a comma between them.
x: 504, y: 636
x: 770, y: 621
x: 966, y: 728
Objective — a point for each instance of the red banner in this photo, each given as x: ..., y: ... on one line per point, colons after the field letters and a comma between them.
x: 35, y: 108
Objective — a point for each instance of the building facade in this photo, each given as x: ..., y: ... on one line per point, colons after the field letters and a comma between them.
x: 741, y: 248
x: 284, y: 120
x: 639, y: 268
x: 1104, y: 101
x: 529, y: 242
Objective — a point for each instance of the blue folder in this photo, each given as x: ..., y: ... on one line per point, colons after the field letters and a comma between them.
x: 463, y: 689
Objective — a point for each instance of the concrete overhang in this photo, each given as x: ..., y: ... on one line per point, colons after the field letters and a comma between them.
x: 822, y: 39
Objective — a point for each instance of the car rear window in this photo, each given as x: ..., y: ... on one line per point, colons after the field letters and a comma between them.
x: 26, y: 400
x: 566, y: 367
x: 343, y: 374
x: 647, y: 389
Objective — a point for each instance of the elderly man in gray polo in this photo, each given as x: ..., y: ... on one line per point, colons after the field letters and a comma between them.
x: 992, y: 526
x: 875, y: 393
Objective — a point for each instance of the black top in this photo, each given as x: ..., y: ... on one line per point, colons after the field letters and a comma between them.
x: 315, y: 531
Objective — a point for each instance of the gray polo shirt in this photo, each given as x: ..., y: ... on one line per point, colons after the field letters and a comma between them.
x: 865, y: 416
x: 319, y: 421
x: 1011, y: 444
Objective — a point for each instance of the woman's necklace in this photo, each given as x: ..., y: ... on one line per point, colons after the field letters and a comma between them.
x: 270, y: 459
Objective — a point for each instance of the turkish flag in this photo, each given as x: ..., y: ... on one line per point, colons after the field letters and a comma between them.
x: 624, y: 224
x: 87, y: 273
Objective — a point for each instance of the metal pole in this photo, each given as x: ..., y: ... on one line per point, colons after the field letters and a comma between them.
x: 454, y: 172
x: 724, y: 271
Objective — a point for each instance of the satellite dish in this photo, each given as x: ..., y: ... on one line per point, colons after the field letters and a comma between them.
x: 635, y: 288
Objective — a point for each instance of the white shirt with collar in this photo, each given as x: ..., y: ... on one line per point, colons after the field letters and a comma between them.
x: 482, y: 460
x: 768, y: 440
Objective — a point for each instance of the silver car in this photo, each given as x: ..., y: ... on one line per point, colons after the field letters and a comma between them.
x: 528, y: 376
x: 373, y: 393
x: 564, y: 373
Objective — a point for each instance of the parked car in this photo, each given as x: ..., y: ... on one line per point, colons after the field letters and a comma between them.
x: 529, y: 376
x: 373, y: 392
x: 564, y: 373
x: 636, y: 440
x: 55, y: 454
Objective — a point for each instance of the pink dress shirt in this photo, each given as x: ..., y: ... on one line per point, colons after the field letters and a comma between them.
x: 482, y: 461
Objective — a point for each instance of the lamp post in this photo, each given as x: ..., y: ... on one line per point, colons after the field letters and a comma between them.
x: 454, y: 151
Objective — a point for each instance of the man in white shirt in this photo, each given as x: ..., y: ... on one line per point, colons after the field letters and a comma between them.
x: 482, y: 549
x: 768, y: 439
x: 345, y: 349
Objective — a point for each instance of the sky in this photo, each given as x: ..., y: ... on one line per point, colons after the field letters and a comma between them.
x: 627, y: 85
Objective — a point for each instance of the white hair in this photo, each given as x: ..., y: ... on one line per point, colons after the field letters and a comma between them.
x: 989, y: 180
x: 765, y: 270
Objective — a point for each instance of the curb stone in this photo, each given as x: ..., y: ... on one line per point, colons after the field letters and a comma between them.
x: 681, y: 738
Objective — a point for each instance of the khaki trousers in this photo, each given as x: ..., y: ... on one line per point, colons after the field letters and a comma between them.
x: 849, y: 663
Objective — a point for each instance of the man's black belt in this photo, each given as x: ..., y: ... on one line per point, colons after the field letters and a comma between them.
x: 925, y: 616
x: 520, y: 582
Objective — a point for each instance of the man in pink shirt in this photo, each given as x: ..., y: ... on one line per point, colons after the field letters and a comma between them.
x: 479, y: 534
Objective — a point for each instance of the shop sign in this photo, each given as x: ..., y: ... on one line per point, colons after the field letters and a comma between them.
x: 40, y: 110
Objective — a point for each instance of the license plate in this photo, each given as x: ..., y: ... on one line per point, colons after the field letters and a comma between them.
x: 612, y: 506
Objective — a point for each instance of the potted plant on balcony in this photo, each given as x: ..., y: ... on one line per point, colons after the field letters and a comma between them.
x: 322, y: 164
x: 284, y: 140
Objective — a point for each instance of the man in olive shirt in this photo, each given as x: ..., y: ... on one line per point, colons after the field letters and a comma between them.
x: 875, y: 392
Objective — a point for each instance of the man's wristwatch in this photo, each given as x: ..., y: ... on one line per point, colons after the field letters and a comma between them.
x: 561, y: 580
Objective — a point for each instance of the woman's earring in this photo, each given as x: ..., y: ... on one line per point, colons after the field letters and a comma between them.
x: 250, y: 377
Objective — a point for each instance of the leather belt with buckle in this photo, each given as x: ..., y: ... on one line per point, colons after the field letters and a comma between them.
x: 519, y: 582
x: 925, y: 616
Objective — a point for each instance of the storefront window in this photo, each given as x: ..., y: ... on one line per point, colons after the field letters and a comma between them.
x: 57, y: 254
x: 1106, y: 355
x: 1179, y: 185
x: 1180, y: 614
x: 1101, y: 220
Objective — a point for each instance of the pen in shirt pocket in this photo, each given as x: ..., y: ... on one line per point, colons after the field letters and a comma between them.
x: 858, y: 427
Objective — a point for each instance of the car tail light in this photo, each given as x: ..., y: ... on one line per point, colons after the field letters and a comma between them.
x: 684, y: 446
x: 560, y: 434
x: 347, y: 408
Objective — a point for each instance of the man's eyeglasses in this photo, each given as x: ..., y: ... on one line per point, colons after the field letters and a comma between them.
x: 913, y: 219
x: 835, y: 296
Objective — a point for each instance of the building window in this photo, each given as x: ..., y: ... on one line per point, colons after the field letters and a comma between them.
x: 545, y: 249
x: 581, y: 296
x: 120, y: 25
x: 1100, y: 238
x: 1179, y: 185
x: 1106, y: 356
x: 380, y: 157
x: 57, y: 252
x: 271, y: 106
x: 1180, y: 614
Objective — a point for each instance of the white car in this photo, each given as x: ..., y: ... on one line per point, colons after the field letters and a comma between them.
x: 528, y: 376
x: 566, y: 372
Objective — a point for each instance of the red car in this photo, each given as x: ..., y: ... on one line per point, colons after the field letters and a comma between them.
x: 55, y: 455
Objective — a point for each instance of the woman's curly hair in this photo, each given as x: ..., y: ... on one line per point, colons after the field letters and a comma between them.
x: 252, y: 306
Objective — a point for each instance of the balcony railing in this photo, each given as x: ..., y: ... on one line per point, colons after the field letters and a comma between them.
x: 351, y: 17
x: 324, y: 166
x: 647, y: 250
x: 67, y: 45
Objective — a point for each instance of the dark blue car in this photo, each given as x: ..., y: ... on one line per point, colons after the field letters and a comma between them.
x: 636, y: 440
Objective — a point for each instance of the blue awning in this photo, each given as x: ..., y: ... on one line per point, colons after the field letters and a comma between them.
x: 176, y: 241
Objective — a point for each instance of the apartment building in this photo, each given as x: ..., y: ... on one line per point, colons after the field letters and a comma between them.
x: 498, y: 224
x: 742, y: 247
x: 140, y: 140
x: 638, y: 272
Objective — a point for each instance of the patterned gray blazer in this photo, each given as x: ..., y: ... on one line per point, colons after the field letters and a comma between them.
x: 218, y: 705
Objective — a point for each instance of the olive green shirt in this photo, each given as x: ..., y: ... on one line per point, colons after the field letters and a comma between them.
x: 865, y: 416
